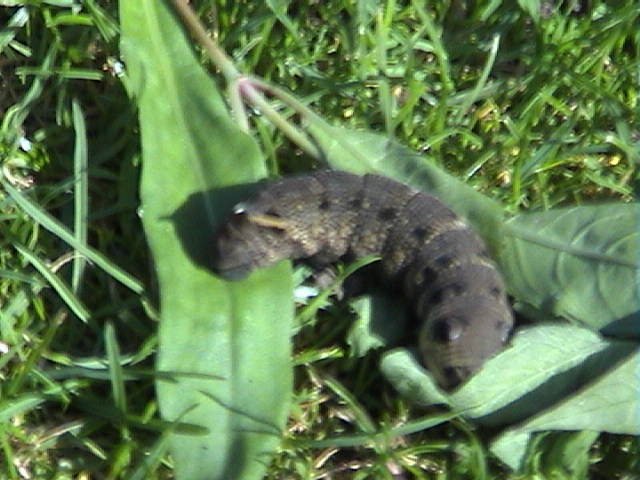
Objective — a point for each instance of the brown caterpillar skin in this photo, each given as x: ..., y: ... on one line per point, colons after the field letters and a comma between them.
x: 452, y: 284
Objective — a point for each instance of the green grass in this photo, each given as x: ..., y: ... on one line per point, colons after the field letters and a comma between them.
x: 535, y: 108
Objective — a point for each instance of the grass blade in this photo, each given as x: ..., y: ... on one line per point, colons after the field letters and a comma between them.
x: 58, y: 229
x: 116, y: 375
x: 67, y: 296
x: 81, y: 193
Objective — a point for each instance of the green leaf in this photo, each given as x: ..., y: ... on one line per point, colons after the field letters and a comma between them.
x: 409, y: 377
x: 581, y: 263
x: 380, y: 321
x: 512, y: 387
x: 609, y: 404
x: 235, y: 334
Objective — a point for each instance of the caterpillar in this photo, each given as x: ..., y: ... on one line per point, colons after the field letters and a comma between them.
x: 438, y: 261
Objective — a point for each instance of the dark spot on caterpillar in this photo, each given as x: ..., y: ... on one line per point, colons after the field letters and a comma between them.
x: 501, y: 325
x: 418, y: 282
x: 429, y: 275
x: 447, y: 329
x: 356, y: 203
x: 453, y: 376
x: 325, y: 204
x: 420, y: 233
x: 387, y: 213
x: 444, y: 261
x: 449, y: 372
x: 495, y: 292
x: 436, y: 297
x: 454, y: 289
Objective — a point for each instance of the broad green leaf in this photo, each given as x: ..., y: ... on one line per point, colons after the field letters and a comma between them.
x: 609, y: 404
x: 511, y: 387
x: 414, y: 383
x: 235, y: 334
x: 580, y: 263
x: 380, y: 322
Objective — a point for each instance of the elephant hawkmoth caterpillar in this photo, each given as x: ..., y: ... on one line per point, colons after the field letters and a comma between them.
x: 441, y: 264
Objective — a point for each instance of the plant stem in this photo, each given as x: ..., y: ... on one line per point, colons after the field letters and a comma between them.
x: 287, y: 98
x: 247, y: 87
x: 218, y: 57
x: 216, y: 54
x: 240, y: 86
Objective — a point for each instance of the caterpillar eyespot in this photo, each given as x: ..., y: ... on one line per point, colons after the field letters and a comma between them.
x: 239, y: 209
x: 440, y: 262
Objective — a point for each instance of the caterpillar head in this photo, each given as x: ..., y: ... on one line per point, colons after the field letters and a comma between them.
x: 249, y: 240
x: 455, y: 342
